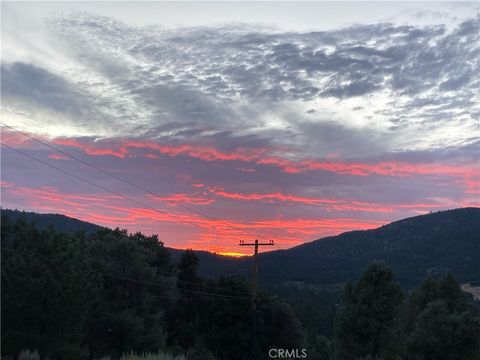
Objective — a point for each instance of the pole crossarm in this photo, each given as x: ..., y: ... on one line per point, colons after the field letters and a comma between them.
x: 255, y: 244
x: 242, y: 243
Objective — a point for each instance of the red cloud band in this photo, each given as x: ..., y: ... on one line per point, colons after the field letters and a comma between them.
x: 260, y: 156
x: 332, y: 204
x: 113, y: 211
x: 469, y: 175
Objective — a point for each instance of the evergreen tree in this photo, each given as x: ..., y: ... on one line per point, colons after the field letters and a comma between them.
x: 127, y: 314
x: 365, y: 324
x: 227, y: 323
x: 78, y: 296
x: 184, y: 315
x: 46, y: 292
x: 187, y: 270
x: 441, y: 324
x: 320, y: 348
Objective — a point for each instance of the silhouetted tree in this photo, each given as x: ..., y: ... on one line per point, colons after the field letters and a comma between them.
x: 365, y: 324
x: 441, y: 324
x: 88, y: 295
x: 46, y: 292
x: 226, y: 323
x: 127, y: 315
x: 187, y: 269
x: 183, y: 317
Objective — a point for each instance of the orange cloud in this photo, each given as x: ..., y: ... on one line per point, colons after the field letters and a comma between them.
x: 218, y: 235
x: 198, y: 152
x: 13, y: 138
x: 185, y: 198
x: 6, y: 184
x: 122, y: 148
x: 120, y: 152
x: 473, y: 185
x: 58, y: 157
x: 260, y: 156
x: 286, y: 233
x: 384, y: 168
x: 332, y: 204
x: 48, y: 195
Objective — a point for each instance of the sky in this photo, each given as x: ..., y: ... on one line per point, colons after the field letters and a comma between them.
x: 234, y: 121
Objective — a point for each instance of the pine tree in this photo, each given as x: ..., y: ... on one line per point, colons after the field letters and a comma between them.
x: 46, y: 292
x: 126, y: 315
x: 365, y: 324
x: 184, y: 315
x: 441, y: 323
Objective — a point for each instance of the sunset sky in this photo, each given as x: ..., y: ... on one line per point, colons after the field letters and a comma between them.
x: 276, y: 121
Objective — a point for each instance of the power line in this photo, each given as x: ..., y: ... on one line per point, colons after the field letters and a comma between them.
x: 122, y: 180
x: 101, y: 187
x: 86, y: 163
x: 149, y: 283
x: 213, y: 287
x: 255, y: 245
x: 186, y: 299
x: 94, y: 184
x: 112, y: 192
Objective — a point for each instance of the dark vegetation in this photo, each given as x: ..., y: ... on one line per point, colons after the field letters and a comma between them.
x: 76, y: 294
x: 79, y: 296
x: 60, y: 223
x: 377, y: 320
x: 416, y: 247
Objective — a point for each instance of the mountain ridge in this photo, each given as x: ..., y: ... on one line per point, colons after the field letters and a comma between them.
x: 416, y: 247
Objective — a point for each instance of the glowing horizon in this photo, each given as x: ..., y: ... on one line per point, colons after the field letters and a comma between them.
x: 290, y: 131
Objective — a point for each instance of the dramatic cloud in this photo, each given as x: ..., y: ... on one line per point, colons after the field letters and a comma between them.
x: 294, y: 135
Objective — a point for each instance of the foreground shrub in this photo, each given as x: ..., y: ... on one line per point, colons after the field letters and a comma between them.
x: 29, y: 355
x: 152, y: 356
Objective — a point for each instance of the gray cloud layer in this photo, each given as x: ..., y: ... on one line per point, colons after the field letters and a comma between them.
x: 319, y: 92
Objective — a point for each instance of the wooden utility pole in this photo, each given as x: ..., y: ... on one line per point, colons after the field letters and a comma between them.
x: 256, y: 244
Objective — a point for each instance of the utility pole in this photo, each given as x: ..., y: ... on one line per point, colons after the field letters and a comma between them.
x: 256, y: 244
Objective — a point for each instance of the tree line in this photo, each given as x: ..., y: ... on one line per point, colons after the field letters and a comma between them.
x: 378, y: 321
x: 77, y: 296
x: 110, y: 293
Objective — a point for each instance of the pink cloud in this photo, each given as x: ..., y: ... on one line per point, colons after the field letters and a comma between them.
x: 13, y: 138
x: 212, y: 234
x: 185, y: 198
x: 6, y: 184
x: 332, y: 204
x: 122, y: 148
x: 90, y: 149
x: 58, y: 157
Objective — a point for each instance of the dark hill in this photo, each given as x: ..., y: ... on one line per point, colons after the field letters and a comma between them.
x: 66, y: 224
x: 445, y: 241
x: 61, y: 223
x: 414, y: 247
x: 432, y: 244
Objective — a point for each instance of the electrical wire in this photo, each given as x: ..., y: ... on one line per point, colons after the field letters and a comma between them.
x: 97, y: 168
x: 101, y: 187
x: 119, y: 179
x: 149, y: 283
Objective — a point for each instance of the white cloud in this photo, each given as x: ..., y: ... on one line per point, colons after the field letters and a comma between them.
x: 332, y: 91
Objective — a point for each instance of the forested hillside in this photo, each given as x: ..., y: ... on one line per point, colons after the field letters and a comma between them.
x: 445, y: 241
x: 223, y: 264
x: 111, y: 295
x: 79, y: 296
x: 432, y: 244
x: 60, y: 222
